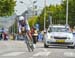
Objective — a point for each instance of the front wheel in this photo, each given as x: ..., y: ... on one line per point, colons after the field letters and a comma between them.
x: 45, y: 46
x: 72, y: 47
x: 28, y: 46
x: 30, y: 43
x: 32, y: 47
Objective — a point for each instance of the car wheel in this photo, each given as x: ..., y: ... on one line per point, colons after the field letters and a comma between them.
x: 45, y: 46
x: 72, y: 47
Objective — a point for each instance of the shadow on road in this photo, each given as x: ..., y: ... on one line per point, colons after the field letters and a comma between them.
x: 55, y: 47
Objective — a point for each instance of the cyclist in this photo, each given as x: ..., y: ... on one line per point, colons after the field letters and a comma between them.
x: 23, y: 23
x: 24, y: 27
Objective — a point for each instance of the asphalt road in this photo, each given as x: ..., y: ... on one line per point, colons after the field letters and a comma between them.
x: 17, y: 49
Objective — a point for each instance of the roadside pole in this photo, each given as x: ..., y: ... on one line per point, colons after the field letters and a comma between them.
x: 66, y: 12
x: 50, y: 20
x: 44, y: 15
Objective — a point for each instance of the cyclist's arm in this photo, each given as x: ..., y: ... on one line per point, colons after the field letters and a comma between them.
x: 19, y: 28
x: 27, y: 26
x: 28, y: 29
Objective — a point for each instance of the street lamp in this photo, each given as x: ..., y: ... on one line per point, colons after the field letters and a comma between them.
x: 50, y: 16
x: 44, y: 15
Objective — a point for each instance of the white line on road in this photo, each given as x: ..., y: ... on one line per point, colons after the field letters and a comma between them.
x: 42, y: 54
x: 45, y: 50
x: 69, y: 54
x: 31, y: 57
x: 13, y: 54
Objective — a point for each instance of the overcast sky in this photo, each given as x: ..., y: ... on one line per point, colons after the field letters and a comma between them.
x: 21, y: 7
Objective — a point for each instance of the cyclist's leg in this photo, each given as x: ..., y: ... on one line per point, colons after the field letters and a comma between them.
x: 30, y: 42
x: 27, y: 43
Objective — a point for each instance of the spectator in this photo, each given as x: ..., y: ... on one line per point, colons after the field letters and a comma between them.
x: 5, y: 35
x: 34, y: 35
x: 40, y: 36
x: 32, y: 30
x: 74, y: 29
x: 0, y: 35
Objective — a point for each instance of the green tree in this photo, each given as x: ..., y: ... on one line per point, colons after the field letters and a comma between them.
x: 7, y: 7
x: 71, y: 11
x: 58, y: 14
x: 32, y: 21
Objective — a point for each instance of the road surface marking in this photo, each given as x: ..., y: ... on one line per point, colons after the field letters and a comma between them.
x: 69, y: 54
x: 31, y: 57
x: 45, y: 50
x: 13, y: 54
x: 42, y: 54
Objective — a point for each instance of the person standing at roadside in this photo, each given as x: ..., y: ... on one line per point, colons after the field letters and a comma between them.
x: 34, y: 35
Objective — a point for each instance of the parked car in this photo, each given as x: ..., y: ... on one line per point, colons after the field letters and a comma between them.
x: 59, y: 35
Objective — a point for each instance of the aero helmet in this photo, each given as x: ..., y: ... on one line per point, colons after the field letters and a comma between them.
x: 21, y: 18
